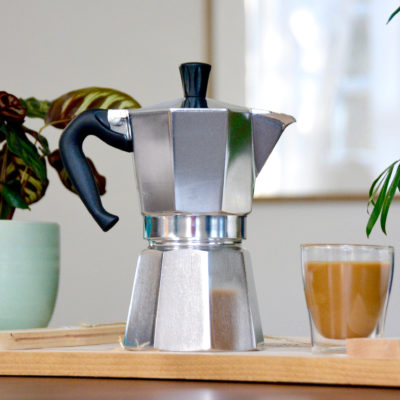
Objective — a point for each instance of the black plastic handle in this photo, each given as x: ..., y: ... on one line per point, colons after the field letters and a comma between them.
x: 91, y: 122
x: 194, y: 77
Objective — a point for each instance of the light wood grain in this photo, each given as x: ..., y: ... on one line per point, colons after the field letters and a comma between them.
x: 274, y: 364
x: 388, y: 349
x: 61, y: 337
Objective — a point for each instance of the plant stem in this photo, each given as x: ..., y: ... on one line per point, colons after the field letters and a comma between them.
x: 11, y: 213
x: 4, y: 166
x: 53, y: 123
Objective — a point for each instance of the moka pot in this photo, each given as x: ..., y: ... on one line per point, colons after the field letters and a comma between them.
x: 196, y: 161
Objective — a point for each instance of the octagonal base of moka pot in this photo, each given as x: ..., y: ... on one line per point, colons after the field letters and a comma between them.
x: 194, y: 288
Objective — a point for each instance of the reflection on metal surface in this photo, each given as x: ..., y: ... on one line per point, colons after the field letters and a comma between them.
x: 119, y: 122
x: 195, y: 228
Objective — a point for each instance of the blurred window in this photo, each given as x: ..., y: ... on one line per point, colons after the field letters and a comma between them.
x: 335, y: 66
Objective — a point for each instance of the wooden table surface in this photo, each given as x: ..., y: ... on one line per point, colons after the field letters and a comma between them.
x: 284, y: 361
x: 29, y: 388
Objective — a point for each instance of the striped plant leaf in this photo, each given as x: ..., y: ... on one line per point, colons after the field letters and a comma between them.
x: 66, y: 107
x: 31, y: 188
x: 19, y: 144
x: 54, y: 159
x: 35, y: 108
x: 11, y: 108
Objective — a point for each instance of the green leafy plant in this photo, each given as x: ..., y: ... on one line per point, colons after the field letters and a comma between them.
x: 25, y: 153
x: 383, y: 189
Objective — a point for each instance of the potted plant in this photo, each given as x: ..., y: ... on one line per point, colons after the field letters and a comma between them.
x: 29, y: 251
x: 383, y: 189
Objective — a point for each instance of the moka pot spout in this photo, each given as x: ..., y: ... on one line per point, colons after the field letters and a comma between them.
x: 267, y: 129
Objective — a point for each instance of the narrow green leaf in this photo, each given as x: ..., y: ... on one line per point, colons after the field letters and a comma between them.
x: 375, y: 190
x: 35, y: 108
x: 19, y: 144
x: 376, y: 187
x: 379, y: 203
x: 372, y: 188
x: 385, y: 171
x: 394, y: 13
x: 11, y: 193
x: 389, y: 198
x: 377, y: 184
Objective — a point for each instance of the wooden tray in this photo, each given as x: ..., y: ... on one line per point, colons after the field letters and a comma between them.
x: 282, y: 360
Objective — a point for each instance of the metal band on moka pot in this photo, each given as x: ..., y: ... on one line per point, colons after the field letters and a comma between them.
x: 195, y: 229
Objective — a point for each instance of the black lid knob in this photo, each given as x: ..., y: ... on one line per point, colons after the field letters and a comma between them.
x: 195, y: 78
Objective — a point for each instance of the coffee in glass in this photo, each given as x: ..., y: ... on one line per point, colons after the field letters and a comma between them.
x: 347, y: 289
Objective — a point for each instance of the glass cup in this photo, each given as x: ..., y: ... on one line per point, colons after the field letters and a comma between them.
x: 347, y: 290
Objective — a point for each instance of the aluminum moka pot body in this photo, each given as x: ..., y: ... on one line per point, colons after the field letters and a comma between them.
x: 196, y: 161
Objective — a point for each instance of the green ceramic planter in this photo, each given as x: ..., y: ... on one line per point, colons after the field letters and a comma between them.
x: 29, y: 272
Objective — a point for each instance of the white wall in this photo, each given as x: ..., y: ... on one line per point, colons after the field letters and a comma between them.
x: 53, y: 46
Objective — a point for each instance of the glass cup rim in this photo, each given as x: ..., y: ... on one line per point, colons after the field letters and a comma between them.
x: 346, y: 246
